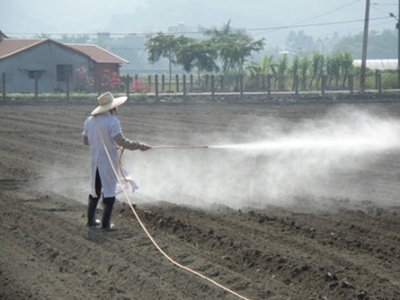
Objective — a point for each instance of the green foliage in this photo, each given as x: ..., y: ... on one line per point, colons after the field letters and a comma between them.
x: 77, y: 39
x: 282, y: 68
x: 346, y: 65
x: 296, y: 64
x: 199, y: 54
x: 43, y: 97
x: 300, y: 43
x: 166, y: 46
x: 42, y: 35
x: 259, y: 72
x: 304, y: 68
x: 381, y: 45
x: 234, y: 47
x: 317, y: 67
x: 389, y: 79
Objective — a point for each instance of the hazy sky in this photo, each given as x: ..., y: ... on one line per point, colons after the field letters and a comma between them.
x: 263, y: 18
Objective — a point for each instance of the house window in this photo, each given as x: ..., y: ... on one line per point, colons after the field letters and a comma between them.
x: 63, y: 71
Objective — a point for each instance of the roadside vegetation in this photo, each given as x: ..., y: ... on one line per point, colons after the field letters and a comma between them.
x: 236, y: 60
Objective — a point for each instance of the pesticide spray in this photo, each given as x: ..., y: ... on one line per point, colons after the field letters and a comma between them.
x: 274, y: 165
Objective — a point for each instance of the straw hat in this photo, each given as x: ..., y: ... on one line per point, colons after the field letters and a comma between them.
x: 107, y: 102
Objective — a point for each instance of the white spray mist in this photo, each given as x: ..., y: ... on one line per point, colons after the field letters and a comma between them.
x: 314, y: 157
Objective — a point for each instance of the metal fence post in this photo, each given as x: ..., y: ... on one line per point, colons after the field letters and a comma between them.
x: 67, y: 86
x: 177, y: 82
x: 380, y: 83
x: 128, y: 85
x: 212, y: 88
x: 323, y: 83
x: 3, y: 85
x: 241, y: 86
x: 36, y: 87
x: 149, y: 80
x: 156, y: 86
x: 237, y: 82
x: 99, y: 86
x: 184, y: 86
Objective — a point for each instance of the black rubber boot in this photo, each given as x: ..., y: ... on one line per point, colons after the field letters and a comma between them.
x: 108, y: 204
x: 91, y: 213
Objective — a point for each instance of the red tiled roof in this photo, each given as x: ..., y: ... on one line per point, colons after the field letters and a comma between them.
x: 96, y: 53
x: 10, y: 47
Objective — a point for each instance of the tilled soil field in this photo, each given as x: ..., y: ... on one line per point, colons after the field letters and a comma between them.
x: 341, y: 242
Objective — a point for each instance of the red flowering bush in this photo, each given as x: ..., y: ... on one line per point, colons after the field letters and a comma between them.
x: 137, y: 86
x: 82, y: 80
x: 110, y: 80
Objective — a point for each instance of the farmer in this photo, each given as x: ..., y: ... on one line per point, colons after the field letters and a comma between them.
x: 102, y: 132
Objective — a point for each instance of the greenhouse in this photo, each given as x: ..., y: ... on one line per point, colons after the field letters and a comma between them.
x: 378, y: 64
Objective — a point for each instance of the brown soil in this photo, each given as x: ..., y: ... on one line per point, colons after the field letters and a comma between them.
x: 341, y: 242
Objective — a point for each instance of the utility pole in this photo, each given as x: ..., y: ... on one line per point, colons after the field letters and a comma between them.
x: 364, y: 49
x: 398, y: 45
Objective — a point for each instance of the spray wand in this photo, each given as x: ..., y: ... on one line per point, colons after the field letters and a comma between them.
x: 179, y: 147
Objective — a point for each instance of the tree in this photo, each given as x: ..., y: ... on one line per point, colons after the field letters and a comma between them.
x: 338, y: 66
x: 295, y: 69
x: 300, y: 43
x: 317, y: 64
x: 77, y: 39
x: 259, y: 72
x: 235, y: 50
x: 234, y: 46
x: 332, y: 67
x: 304, y: 65
x: 346, y: 66
x: 282, y: 67
x: 165, y: 46
x: 381, y: 45
x: 199, y: 54
x: 218, y: 35
x: 43, y: 36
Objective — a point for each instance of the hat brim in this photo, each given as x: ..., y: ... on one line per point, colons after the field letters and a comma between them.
x: 103, y: 108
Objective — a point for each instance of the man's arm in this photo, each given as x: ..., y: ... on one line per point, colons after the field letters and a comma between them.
x: 123, y: 142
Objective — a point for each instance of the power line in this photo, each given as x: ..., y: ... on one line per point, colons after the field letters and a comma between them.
x: 384, y: 4
x: 250, y: 30
x: 374, y: 7
x: 326, y: 13
x: 320, y: 15
x: 316, y: 24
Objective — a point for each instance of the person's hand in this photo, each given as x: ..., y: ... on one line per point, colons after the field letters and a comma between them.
x: 144, y: 147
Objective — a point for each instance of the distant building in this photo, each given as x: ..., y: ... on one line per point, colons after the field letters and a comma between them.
x: 187, y: 31
x: 130, y: 46
x: 52, y: 63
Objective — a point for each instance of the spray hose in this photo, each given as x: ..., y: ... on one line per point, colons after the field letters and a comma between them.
x: 144, y: 227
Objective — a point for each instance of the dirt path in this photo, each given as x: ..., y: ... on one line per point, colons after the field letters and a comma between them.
x: 341, y: 242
